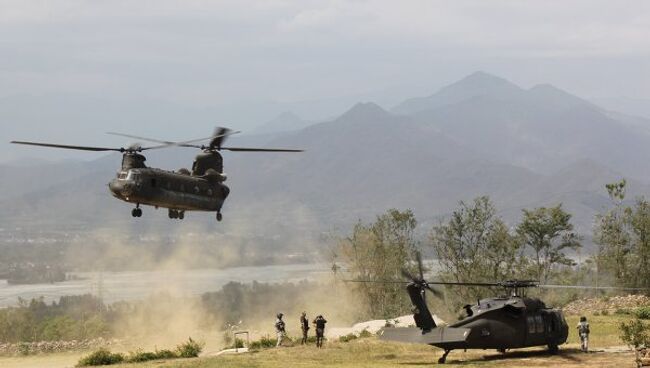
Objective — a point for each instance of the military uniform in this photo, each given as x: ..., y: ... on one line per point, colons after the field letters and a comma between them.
x: 320, y: 330
x: 304, y: 325
x: 583, y: 332
x: 279, y: 329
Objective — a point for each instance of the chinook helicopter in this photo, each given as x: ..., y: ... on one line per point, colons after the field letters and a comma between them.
x: 201, y: 189
x: 509, y: 321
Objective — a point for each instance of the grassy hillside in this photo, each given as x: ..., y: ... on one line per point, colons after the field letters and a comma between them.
x: 371, y: 352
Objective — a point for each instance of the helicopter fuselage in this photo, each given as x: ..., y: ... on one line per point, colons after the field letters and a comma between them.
x: 510, y: 323
x: 173, y: 190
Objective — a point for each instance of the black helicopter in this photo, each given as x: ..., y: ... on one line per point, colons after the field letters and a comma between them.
x: 201, y: 189
x: 510, y: 321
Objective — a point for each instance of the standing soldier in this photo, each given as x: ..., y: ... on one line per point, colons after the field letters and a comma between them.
x: 279, y: 329
x: 320, y: 330
x: 304, y: 325
x: 583, y: 332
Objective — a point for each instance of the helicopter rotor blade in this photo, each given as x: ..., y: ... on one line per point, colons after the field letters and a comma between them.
x: 418, y: 257
x: 243, y: 149
x: 179, y: 144
x: 378, y: 281
x: 65, y: 146
x: 408, y: 275
x: 433, y: 291
x: 140, y: 138
x: 585, y: 287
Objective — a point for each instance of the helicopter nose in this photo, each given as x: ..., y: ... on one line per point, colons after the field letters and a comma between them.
x: 120, y: 188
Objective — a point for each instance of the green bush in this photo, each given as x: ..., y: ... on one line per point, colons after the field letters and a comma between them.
x: 101, y: 357
x: 622, y: 311
x: 263, y: 343
x: 139, y: 356
x: 165, y: 354
x: 189, y: 349
x: 237, y: 344
x: 635, y: 333
x: 643, y: 313
x: 23, y: 348
x: 365, y: 333
x: 348, y: 337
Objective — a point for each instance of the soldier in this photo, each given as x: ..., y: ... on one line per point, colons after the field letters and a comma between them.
x: 320, y: 330
x: 583, y: 332
x: 279, y: 329
x: 304, y: 325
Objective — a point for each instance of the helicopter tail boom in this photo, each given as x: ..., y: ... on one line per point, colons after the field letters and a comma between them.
x: 438, y: 336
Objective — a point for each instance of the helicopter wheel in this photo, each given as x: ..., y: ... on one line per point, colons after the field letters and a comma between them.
x: 443, y: 358
x: 219, y: 216
x: 553, y: 349
x: 136, y: 212
x: 172, y: 214
x: 181, y: 215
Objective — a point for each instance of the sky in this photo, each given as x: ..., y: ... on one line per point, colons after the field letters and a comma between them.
x: 71, y: 70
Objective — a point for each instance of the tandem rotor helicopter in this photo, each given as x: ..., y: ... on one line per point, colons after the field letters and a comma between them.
x: 509, y: 321
x: 201, y: 189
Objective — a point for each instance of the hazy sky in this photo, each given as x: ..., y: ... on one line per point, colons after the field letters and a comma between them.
x: 201, y: 62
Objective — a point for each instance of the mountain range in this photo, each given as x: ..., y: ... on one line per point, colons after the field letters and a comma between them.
x: 482, y: 135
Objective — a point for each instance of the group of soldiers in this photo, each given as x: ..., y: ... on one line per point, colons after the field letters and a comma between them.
x: 319, y: 322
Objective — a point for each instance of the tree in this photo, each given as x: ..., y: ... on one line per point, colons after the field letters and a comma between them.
x: 613, y: 237
x: 549, y: 232
x: 475, y: 246
x: 379, y: 251
x: 623, y: 234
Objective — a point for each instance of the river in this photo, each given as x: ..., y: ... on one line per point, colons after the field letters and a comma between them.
x: 133, y: 285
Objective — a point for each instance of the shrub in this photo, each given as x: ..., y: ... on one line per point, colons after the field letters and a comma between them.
x: 635, y: 333
x: 643, y: 313
x: 23, y: 348
x: 263, y: 343
x: 365, y: 333
x: 348, y: 337
x: 165, y: 354
x: 189, y: 349
x: 622, y: 311
x: 101, y: 357
x: 139, y: 356
x: 604, y: 312
x: 237, y: 344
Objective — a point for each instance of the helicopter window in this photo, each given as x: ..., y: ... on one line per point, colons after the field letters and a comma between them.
x: 530, y: 321
x: 122, y: 175
x: 539, y: 322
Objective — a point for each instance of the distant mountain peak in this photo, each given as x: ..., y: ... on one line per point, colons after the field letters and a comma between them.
x: 364, y: 111
x: 477, y: 84
x: 286, y: 121
x: 481, y: 78
x: 550, y: 95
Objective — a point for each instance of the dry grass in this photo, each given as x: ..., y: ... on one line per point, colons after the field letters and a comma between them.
x: 373, y: 353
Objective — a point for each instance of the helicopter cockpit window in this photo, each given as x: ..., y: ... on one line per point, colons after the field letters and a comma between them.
x: 539, y: 322
x: 122, y: 175
x: 530, y: 321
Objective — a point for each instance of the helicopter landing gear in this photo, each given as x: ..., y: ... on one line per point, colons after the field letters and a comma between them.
x: 502, y: 351
x: 219, y: 216
x: 443, y: 358
x: 136, y: 212
x: 175, y: 214
x: 552, y: 349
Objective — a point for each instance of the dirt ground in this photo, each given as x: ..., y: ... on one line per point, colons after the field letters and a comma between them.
x: 365, y: 353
